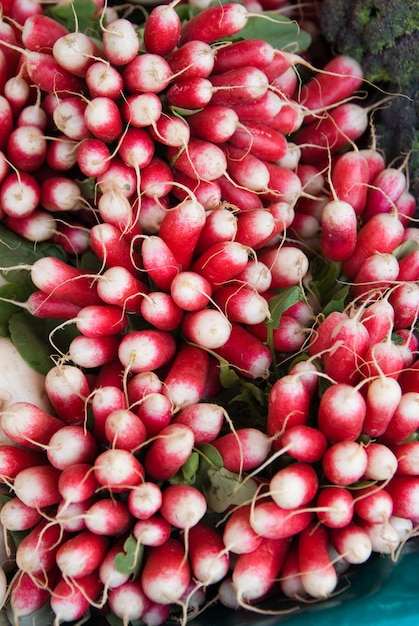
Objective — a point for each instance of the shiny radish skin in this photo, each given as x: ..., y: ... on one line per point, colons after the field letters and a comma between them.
x: 214, y: 23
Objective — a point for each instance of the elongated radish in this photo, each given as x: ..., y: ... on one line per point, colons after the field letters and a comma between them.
x: 215, y: 123
x: 404, y: 420
x: 200, y: 159
x: 77, y: 483
x: 145, y: 350
x: 261, y: 140
x: 318, y: 576
x: 91, y: 352
x: 244, y: 449
x: 14, y: 458
x: 209, y: 562
x: 185, y: 381
x: 341, y: 412
x: 70, y: 599
x: 205, y: 419
x: 37, y: 486
x: 269, y: 520
x: 180, y: 230
x: 36, y: 552
x: 214, y: 23
x: 288, y: 406
x: 190, y: 93
x: 242, y: 304
x: 16, y: 515
x: 26, y: 595
x: 194, y: 58
x: 82, y: 554
x: 339, y: 230
x: 169, y: 451
x: 221, y: 262
x: 252, y: 363
x: 118, y: 286
x: 155, y: 411
x: 28, y: 425
x: 382, y: 399
x: 146, y: 72
x: 166, y: 585
x: 71, y: 444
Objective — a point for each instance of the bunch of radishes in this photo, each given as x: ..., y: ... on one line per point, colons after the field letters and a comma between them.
x: 236, y: 414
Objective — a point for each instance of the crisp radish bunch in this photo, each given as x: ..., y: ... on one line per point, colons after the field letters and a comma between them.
x: 235, y: 401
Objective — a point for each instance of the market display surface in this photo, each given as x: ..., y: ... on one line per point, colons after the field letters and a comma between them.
x: 209, y: 383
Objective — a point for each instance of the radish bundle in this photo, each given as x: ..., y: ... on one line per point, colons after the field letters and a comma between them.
x: 221, y: 282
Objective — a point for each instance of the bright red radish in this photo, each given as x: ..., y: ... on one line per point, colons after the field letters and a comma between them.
x: 345, y: 462
x: 273, y: 522
x: 91, y: 352
x: 294, y: 485
x: 334, y: 506
x: 155, y: 411
x: 194, y: 58
x: 15, y: 515
x: 14, y: 458
x: 252, y: 363
x: 120, y: 42
x: 208, y: 559
x: 146, y: 72
x: 36, y: 552
x: 183, y: 506
x: 339, y: 230
x: 118, y: 286
x: 37, y: 486
x: 82, y: 554
x: 166, y: 585
x: 404, y: 421
x: 318, y: 575
x: 169, y: 451
x: 70, y: 599
x: 243, y: 449
x: 26, y: 148
x: 27, y: 595
x: 201, y: 159
x: 304, y: 443
x: 68, y: 389
x: 28, y: 425
x: 153, y: 531
x: 288, y: 406
x: 77, y: 483
x: 341, y: 412
x: 118, y: 470
x: 185, y: 381
x: 221, y: 262
x: 238, y: 534
x: 214, y: 23
x: 254, y: 574
x: 180, y: 230
x: 382, y: 399
x: 104, y: 80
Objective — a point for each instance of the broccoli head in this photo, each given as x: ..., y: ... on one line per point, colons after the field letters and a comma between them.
x: 383, y: 35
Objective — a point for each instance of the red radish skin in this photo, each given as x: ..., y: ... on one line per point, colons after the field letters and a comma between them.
x: 110, y: 577
x: 244, y: 449
x: 77, y: 483
x: 288, y: 406
x: 260, y: 140
x: 193, y: 59
x: 215, y: 123
x: 171, y: 131
x: 125, y: 430
x: 385, y: 189
x: 68, y: 117
x: 214, y: 23
x: 156, y: 178
x: 6, y: 122
x: 208, y: 328
x: 373, y: 505
x: 338, y: 230
x: 37, y: 486
x: 221, y: 262
x: 238, y: 534
x: 350, y: 178
x: 382, y: 399
x: 190, y: 93
x: 203, y: 418
x: 160, y: 310
x: 71, y: 514
x: 345, y: 462
x: 200, y: 160
x: 249, y: 172
x: 108, y: 517
x: 254, y: 574
x: 349, y: 345
x: 407, y: 455
x: 237, y: 197
x: 404, y: 420
x: 146, y: 72
x: 82, y: 554
x: 159, y: 261
x: 318, y: 576
x: 92, y: 352
x: 155, y: 411
x: 166, y: 585
x: 47, y: 74
x: 68, y: 389
x: 190, y: 291
x: 71, y: 444
x: 118, y: 286
x: 184, y: 383
x: 104, y: 80
x: 255, y: 52
x: 105, y: 399
x: 209, y: 562
x: 242, y: 304
x: 128, y: 601
x: 145, y: 350
x: 180, y: 230
x: 35, y: 554
x: 15, y: 515
x: 334, y: 506
x: 75, y: 52
x: 352, y: 542
x: 304, y: 443
x: 144, y: 500
x: 341, y: 413
x: 14, y: 458
x: 293, y: 486
x: 273, y: 522
x: 26, y: 148
x: 113, y: 249
x: 118, y: 470
x: 26, y: 595
x: 28, y: 425
x: 153, y: 531
x: 19, y: 196
x: 120, y: 42
x: 169, y: 451
x: 239, y: 85
x: 141, y: 110
x: 71, y: 599
x: 93, y: 156
x: 288, y: 265
x: 183, y: 506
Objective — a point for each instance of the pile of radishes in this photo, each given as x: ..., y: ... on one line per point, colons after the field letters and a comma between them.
x: 236, y: 415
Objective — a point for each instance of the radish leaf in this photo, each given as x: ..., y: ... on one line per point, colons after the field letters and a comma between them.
x: 129, y: 561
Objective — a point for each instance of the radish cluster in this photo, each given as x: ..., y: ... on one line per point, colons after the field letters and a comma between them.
x: 219, y: 191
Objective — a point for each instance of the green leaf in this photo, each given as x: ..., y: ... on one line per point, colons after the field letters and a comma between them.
x: 228, y: 377
x: 277, y: 30
x: 10, y: 291
x: 129, y: 561
x: 224, y: 489
x: 405, y: 248
x: 34, y: 350
x: 338, y: 302
x: 281, y: 302
x: 15, y: 250
x: 187, y: 473
x: 84, y: 10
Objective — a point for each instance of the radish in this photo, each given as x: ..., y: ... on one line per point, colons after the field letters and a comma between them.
x: 385, y: 189
x: 153, y: 531
x: 103, y: 119
x: 160, y: 310
x: 404, y: 420
x: 243, y: 449
x: 255, y: 275
x: 183, y: 506
x: 240, y: 85
x: 92, y: 156
x: 17, y: 91
x: 142, y: 385
x: 71, y: 444
x: 146, y: 73
x: 304, y: 443
x: 205, y: 419
x: 318, y: 576
x: 26, y: 148
x: 144, y: 500
x: 144, y: 350
x: 237, y: 197
x: 249, y: 172
x: 28, y: 425
x: 118, y: 470
x: 252, y: 363
x: 294, y: 485
x: 288, y: 265
x: 341, y: 413
x: 288, y: 406
x: 200, y: 159
x: 124, y: 429
x: 68, y: 117
x: 47, y: 74
x: 128, y: 601
x: 404, y: 492
x: 221, y: 262
x: 260, y: 140
x: 180, y: 230
x: 352, y: 542
x: 162, y: 30
x: 113, y: 249
x: 75, y: 52
x: 108, y: 517
x: 383, y: 536
x: 6, y: 122
x: 159, y: 261
x: 350, y: 177
x: 27, y: 595
x: 109, y: 575
x: 120, y: 42
x: 70, y: 515
x: 190, y: 291
x: 407, y: 458
x: 242, y: 304
x: 349, y: 344
x: 166, y: 585
x: 338, y: 230
x: 184, y: 383
x: 373, y: 505
x: 156, y: 178
x: 190, y: 93
x: 61, y: 153
x: 334, y: 506
x: 214, y: 23
x: 104, y: 80
x: 155, y: 411
x: 254, y: 574
x: 40, y: 32
x: 238, y: 534
x: 118, y: 286
x: 171, y: 130
x: 105, y: 400
x: 208, y: 328
x: 37, y: 486
x: 35, y: 554
x: 405, y: 302
x: 255, y: 52
x: 82, y: 554
x: 68, y: 389
x: 19, y: 194
x: 383, y: 396
x: 208, y: 559
x: 195, y: 58
x: 215, y: 123
x: 345, y: 462
x: 14, y: 458
x: 169, y: 451
x: 77, y: 483
x: 91, y: 352
x: 273, y: 522
x: 141, y: 110
x: 16, y: 515
x: 70, y: 599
